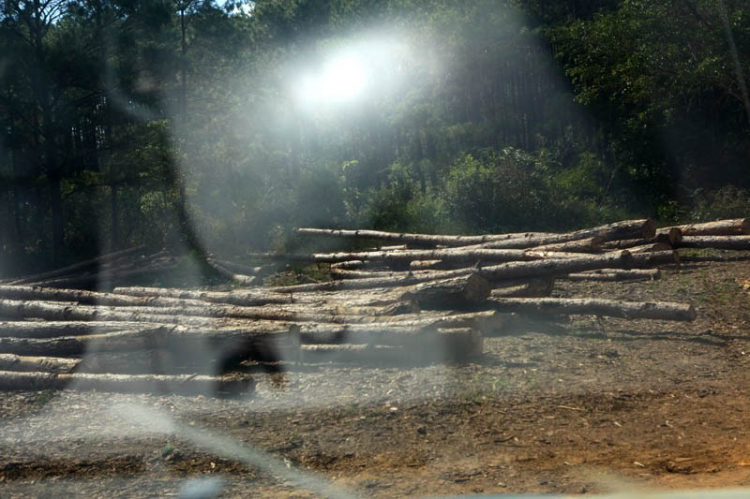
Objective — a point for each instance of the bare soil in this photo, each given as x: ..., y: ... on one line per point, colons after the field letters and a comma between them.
x: 595, y: 406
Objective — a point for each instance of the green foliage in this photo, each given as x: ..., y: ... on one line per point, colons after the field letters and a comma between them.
x: 726, y: 202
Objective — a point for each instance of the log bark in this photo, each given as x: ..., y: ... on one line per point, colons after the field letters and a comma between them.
x: 614, y: 275
x: 592, y: 306
x: 730, y: 227
x: 189, y: 385
x: 551, y: 268
x: 11, y: 362
x: 738, y: 243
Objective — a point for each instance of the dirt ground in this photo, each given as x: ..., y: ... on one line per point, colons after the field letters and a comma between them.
x: 598, y: 406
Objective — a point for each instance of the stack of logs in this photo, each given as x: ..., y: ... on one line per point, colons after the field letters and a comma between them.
x: 427, y: 298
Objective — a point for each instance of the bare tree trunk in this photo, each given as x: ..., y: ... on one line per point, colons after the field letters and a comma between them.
x: 591, y: 306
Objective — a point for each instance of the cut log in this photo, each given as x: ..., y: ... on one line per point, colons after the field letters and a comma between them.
x: 78, y: 345
x: 85, y: 297
x: 51, y: 329
x: 189, y: 385
x: 628, y: 229
x: 246, y: 298
x: 348, y: 265
x: 730, y: 227
x: 450, y: 293
x: 552, y: 267
x: 400, y: 238
x: 57, y: 311
x: 614, y: 275
x: 592, y: 306
x: 405, y: 257
x: 10, y: 362
x: 738, y: 243
x: 78, y: 267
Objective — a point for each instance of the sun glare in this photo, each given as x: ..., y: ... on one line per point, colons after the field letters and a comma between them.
x: 342, y: 79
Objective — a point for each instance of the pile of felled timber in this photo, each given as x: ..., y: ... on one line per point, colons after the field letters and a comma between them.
x: 424, y: 298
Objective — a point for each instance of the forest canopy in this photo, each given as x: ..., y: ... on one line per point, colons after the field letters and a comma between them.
x: 198, y: 125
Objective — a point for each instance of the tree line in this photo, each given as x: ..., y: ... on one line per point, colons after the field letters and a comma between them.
x: 181, y: 123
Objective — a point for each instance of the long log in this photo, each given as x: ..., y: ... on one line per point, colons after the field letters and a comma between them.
x: 729, y: 227
x: 77, y: 267
x: 11, y: 362
x: 552, y: 267
x: 78, y: 345
x: 56, y: 311
x: 614, y: 275
x: 246, y: 298
x: 738, y: 243
x: 628, y: 229
x: 91, y: 280
x: 649, y: 248
x: 448, y: 255
x: 85, y: 297
x: 592, y: 306
x: 400, y: 238
x: 190, y: 385
x: 52, y: 329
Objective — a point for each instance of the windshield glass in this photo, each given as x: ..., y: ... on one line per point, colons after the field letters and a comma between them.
x: 376, y: 248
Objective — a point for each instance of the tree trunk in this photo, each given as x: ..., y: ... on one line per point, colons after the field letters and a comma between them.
x: 78, y: 267
x: 731, y: 227
x: 614, y: 275
x: 52, y: 329
x: 739, y: 243
x: 448, y: 255
x: 247, y: 298
x: 553, y: 267
x: 186, y: 384
x: 591, y: 306
x: 11, y: 362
